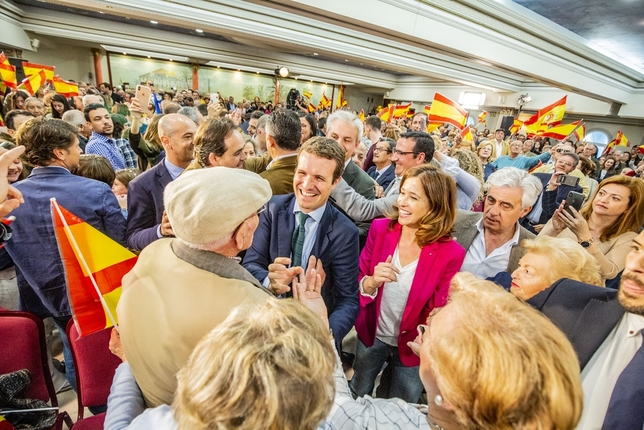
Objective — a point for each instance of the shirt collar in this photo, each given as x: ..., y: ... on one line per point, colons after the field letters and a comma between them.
x: 346, y: 163
x: 279, y: 158
x: 96, y: 136
x: 635, y: 324
x: 174, y: 171
x: 316, y: 214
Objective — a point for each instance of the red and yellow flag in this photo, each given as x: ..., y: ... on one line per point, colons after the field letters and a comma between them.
x: 361, y: 115
x: 7, y: 73
x: 386, y: 114
x: 516, y: 126
x: 94, y: 267
x: 307, y: 94
x: 400, y: 110
x: 311, y: 108
x: 5, y: 425
x: 65, y: 88
x: 560, y: 132
x: 34, y: 69
x: 466, y: 134
x: 549, y: 115
x: 482, y: 116
x: 641, y: 149
x: 444, y: 110
x: 33, y: 82
x: 341, y: 100
x: 620, y: 140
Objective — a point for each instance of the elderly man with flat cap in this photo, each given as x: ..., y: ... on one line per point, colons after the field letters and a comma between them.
x: 181, y: 288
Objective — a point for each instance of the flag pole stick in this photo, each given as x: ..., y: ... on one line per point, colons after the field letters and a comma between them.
x: 84, y: 263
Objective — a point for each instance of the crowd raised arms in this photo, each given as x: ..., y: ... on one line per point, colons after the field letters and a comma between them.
x: 287, y: 255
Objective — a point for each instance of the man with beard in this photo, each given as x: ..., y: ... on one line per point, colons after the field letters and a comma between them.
x: 117, y: 151
x: 605, y: 328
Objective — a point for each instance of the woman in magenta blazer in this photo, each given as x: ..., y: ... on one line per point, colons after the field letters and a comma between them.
x: 405, y: 271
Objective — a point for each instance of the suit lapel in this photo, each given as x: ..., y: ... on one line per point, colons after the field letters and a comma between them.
x: 163, y: 176
x: 324, y: 230
x: 285, y: 227
x: 596, y: 321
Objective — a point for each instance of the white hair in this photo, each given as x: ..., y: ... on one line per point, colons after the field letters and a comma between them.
x: 74, y: 117
x: 346, y: 117
x: 513, y: 177
x: 212, y: 246
x: 88, y: 97
x: 190, y: 112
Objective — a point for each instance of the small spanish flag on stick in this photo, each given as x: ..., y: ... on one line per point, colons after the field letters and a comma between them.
x: 65, y: 88
x: 94, y: 267
x: 34, y: 69
x: 33, y: 82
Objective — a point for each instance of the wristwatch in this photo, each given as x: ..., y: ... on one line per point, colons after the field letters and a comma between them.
x: 586, y: 243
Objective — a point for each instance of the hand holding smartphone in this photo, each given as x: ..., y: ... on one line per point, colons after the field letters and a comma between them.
x: 142, y: 94
x: 574, y: 200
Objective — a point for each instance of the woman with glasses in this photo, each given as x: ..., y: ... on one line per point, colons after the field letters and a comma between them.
x: 405, y: 270
x: 383, y: 171
x: 606, y: 224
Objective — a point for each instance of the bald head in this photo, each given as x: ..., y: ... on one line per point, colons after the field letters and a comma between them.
x: 176, y: 133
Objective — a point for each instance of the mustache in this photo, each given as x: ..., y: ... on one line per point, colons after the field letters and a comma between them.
x: 627, y: 276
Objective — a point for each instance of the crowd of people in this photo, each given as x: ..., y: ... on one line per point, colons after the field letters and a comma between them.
x: 270, y: 237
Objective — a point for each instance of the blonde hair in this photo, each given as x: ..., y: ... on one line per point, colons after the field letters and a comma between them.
x: 504, y: 365
x: 266, y: 367
x: 483, y: 145
x: 567, y: 259
x: 633, y: 218
x: 469, y: 162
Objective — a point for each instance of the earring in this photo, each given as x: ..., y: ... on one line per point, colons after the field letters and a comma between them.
x: 438, y: 400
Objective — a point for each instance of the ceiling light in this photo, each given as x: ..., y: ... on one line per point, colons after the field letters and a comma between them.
x: 296, y: 79
x: 199, y: 31
x: 153, y: 22
x: 148, y: 56
x: 100, y: 12
x: 315, y: 53
x: 125, y: 53
x: 281, y: 71
x: 170, y: 59
x: 346, y: 61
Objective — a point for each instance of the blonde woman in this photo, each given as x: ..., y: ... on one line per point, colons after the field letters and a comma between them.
x: 548, y: 259
x: 469, y: 162
x: 484, y: 152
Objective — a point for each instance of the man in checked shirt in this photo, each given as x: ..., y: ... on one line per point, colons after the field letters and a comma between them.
x: 102, y: 142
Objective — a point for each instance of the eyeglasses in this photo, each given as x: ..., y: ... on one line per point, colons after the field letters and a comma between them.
x: 565, y: 151
x: 377, y: 150
x: 397, y: 152
x: 261, y: 209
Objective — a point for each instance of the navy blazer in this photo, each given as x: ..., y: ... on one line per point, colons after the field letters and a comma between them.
x: 387, y: 176
x: 336, y: 245
x: 33, y: 247
x: 145, y: 206
x: 585, y: 313
x: 550, y: 200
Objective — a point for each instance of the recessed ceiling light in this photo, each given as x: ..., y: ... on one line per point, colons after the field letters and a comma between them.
x: 238, y: 70
x: 100, y: 12
x: 199, y: 31
x: 125, y: 53
x: 257, y: 73
x: 170, y: 59
x: 153, y: 22
x: 315, y: 53
x: 325, y: 83
x: 296, y: 79
x: 148, y: 56
x: 311, y: 80
x: 346, y: 61
x: 218, y: 67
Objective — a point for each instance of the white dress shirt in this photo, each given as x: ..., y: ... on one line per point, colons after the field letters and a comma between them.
x: 486, y: 266
x: 600, y: 375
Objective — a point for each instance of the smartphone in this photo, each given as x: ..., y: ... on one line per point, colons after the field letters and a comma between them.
x: 574, y: 200
x: 143, y: 95
x: 568, y: 180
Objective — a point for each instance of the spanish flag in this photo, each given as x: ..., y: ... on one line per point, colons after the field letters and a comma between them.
x: 94, y: 266
x: 641, y: 149
x: 311, y: 108
x: 620, y: 140
x: 549, y: 115
x: 516, y: 126
x: 444, y: 110
x: 34, y: 69
x: 307, y: 94
x: 386, y: 114
x: 65, y: 88
x: 7, y: 73
x: 482, y: 116
x: 466, y: 134
x: 339, y: 104
x: 33, y: 82
x: 361, y: 116
x: 401, y: 110
x: 325, y: 102
x: 560, y: 132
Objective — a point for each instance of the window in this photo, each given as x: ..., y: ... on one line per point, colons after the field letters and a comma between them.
x: 598, y: 138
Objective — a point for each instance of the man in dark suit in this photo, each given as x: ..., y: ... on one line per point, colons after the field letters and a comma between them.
x: 147, y: 220
x: 296, y: 229
x: 553, y: 193
x: 605, y: 328
x: 51, y: 146
x: 493, y: 238
x: 384, y: 170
